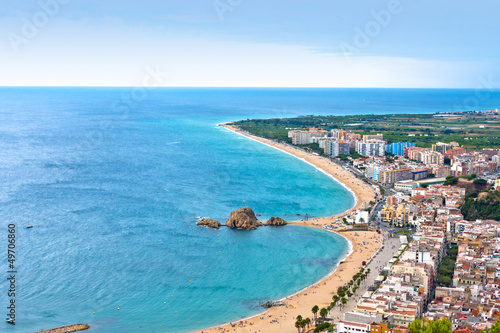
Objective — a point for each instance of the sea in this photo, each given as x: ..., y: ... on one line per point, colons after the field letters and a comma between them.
x: 113, y: 181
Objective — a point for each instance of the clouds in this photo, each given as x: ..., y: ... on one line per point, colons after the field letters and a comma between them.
x: 259, y: 43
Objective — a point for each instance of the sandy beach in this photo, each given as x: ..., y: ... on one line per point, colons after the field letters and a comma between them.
x: 364, y: 245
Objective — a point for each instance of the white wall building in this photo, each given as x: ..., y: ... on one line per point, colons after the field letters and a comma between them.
x: 371, y: 148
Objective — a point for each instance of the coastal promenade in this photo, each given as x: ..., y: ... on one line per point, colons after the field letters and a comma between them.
x: 364, y: 245
x: 391, y: 247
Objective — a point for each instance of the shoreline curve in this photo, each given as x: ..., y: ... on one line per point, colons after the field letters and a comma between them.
x: 352, y: 259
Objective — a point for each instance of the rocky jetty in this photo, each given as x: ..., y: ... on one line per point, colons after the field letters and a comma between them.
x: 67, y: 329
x: 271, y: 304
x: 243, y: 218
x: 276, y: 221
x: 214, y: 224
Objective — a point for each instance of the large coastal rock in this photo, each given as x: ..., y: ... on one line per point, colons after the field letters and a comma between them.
x: 276, y: 221
x: 243, y: 218
x: 209, y: 223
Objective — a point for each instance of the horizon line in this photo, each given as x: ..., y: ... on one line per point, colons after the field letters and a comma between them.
x: 248, y: 87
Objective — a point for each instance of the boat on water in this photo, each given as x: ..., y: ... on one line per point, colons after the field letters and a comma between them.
x: 29, y: 226
x: 11, y: 321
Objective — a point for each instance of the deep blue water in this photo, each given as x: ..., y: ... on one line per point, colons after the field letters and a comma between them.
x: 113, y: 181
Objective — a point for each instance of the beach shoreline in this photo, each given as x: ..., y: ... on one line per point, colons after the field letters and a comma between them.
x: 362, y: 246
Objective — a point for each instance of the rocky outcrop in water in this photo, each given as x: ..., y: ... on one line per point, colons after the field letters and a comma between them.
x: 270, y: 304
x: 209, y: 223
x: 276, y: 221
x: 243, y: 218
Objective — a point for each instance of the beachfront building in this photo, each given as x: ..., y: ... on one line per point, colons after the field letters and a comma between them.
x: 337, y: 147
x: 306, y: 137
x: 398, y: 148
x: 362, y: 217
x: 372, y: 171
x: 370, y: 148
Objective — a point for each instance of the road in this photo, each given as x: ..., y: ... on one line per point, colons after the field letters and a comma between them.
x: 391, y: 246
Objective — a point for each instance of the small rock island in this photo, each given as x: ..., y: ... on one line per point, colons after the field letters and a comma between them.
x: 214, y: 224
x: 243, y: 218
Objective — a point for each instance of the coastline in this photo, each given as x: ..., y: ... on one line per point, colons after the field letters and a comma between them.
x: 362, y: 246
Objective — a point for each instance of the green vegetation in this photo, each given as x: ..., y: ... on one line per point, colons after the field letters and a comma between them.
x: 442, y: 325
x: 480, y: 181
x: 450, y: 180
x: 325, y: 327
x: 312, y: 147
x: 448, y: 266
x: 481, y: 205
x: 423, y: 129
x: 495, y: 328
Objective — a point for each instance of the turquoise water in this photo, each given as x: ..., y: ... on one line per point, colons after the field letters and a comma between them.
x: 113, y: 185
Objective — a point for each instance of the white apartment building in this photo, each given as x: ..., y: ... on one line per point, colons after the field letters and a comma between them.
x: 305, y: 137
x: 371, y: 148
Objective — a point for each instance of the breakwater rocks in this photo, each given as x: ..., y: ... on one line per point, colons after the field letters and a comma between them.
x: 270, y: 304
x: 276, y: 221
x: 243, y: 218
x: 67, y: 329
x: 209, y: 223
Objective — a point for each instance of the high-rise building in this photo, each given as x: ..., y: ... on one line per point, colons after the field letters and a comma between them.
x: 336, y: 147
x: 392, y: 176
x: 346, y: 136
x: 305, y: 137
x: 398, y: 148
x: 371, y: 148
x: 431, y: 157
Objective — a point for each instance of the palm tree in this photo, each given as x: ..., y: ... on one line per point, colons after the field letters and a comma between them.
x: 343, y: 301
x: 308, y: 322
x: 297, y: 325
x: 335, y: 298
x: 315, y: 310
x: 349, y: 294
x: 299, y: 318
x: 303, y: 324
x: 323, y: 312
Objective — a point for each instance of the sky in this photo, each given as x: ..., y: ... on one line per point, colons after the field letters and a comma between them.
x: 251, y: 43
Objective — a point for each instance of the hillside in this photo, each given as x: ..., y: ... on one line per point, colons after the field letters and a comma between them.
x: 482, y: 206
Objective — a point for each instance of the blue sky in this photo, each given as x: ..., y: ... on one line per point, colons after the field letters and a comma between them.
x: 272, y: 43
